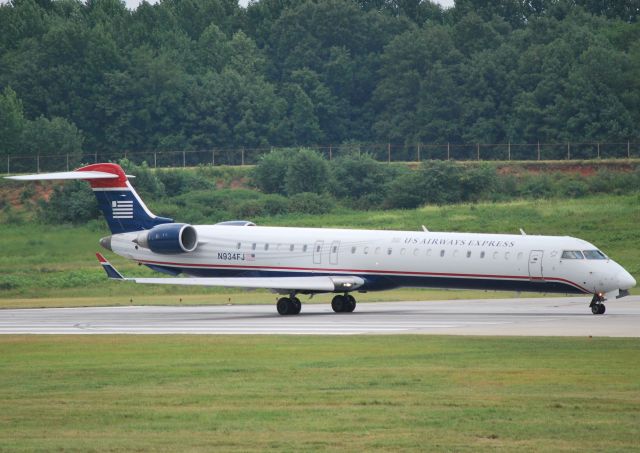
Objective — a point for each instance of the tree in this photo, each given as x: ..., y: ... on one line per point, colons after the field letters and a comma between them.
x: 307, y: 172
x: 11, y: 122
x: 51, y: 137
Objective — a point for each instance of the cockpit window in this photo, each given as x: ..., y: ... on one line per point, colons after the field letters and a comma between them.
x: 594, y: 255
x: 572, y: 255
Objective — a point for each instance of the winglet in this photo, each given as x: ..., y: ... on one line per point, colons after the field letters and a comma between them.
x: 111, y: 271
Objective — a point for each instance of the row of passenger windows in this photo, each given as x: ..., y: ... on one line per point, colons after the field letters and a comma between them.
x: 580, y: 255
x: 378, y: 250
x: 567, y: 254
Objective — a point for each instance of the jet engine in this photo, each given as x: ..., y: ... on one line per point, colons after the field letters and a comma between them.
x: 169, y: 238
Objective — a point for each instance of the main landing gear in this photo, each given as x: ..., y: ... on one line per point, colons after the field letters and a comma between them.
x: 343, y: 304
x: 597, y: 304
x: 289, y: 305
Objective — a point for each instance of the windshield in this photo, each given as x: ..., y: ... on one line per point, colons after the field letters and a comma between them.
x: 572, y: 255
x: 594, y: 255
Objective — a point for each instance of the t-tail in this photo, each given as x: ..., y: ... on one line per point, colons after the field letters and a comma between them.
x: 121, y: 205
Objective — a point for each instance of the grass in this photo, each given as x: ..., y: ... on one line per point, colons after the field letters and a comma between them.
x: 57, y: 262
x: 205, y: 393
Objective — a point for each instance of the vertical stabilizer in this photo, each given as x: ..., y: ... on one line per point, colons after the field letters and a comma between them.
x: 121, y: 205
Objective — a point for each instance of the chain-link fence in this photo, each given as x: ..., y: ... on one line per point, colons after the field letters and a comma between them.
x: 383, y: 152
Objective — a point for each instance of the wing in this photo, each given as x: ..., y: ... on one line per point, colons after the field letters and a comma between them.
x: 328, y: 283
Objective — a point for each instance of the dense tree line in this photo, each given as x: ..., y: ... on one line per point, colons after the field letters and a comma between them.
x: 199, y: 74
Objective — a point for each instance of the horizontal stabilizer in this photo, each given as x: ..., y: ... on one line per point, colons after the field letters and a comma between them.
x: 64, y: 175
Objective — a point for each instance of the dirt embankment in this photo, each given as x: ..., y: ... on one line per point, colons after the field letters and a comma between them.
x: 584, y: 168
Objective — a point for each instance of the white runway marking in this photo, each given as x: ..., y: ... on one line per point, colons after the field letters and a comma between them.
x: 537, y: 317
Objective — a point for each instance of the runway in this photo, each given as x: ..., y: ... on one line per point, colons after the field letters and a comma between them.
x: 524, y: 317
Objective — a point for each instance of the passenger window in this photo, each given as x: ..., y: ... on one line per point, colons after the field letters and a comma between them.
x: 304, y: 248
x: 366, y: 250
x: 291, y: 247
x: 495, y: 255
x: 469, y: 254
x: 238, y: 245
x: 334, y: 249
x: 389, y: 251
x: 441, y: 253
x: 481, y: 254
x: 318, y: 248
x: 506, y: 255
x: 353, y: 250
x: 253, y: 246
x: 266, y: 246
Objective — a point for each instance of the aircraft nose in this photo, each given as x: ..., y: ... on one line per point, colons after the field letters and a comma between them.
x: 625, y: 280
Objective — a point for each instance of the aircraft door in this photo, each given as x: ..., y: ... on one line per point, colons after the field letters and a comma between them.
x: 333, y: 253
x: 535, y: 265
x: 317, y: 252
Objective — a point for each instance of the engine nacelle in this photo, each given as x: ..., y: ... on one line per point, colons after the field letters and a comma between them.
x: 169, y: 238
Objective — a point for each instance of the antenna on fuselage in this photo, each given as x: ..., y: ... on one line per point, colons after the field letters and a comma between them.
x: 522, y: 232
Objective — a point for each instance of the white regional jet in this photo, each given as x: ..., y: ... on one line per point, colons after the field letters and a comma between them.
x: 292, y: 261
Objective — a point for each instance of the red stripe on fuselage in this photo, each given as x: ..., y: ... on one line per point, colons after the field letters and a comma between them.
x: 368, y: 271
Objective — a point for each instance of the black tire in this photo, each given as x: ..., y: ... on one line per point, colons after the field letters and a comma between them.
x: 595, y: 309
x: 602, y: 309
x: 297, y: 305
x: 338, y: 303
x: 351, y: 303
x: 284, y: 306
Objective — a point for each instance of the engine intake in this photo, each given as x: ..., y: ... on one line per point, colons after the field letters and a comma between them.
x: 169, y: 238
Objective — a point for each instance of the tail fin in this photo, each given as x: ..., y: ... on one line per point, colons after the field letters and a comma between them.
x: 123, y: 209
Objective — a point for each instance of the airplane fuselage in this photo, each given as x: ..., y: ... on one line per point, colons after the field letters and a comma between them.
x: 390, y: 259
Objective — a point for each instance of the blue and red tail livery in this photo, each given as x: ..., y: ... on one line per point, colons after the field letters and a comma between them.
x: 123, y: 209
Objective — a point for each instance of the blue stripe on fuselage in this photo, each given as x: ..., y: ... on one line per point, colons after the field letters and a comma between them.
x: 377, y: 282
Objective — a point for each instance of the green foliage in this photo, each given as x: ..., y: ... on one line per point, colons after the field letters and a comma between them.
x: 270, y: 173
x: 359, y: 177
x: 176, y: 182
x: 72, y: 202
x: 55, y: 136
x: 308, y: 171
x: 11, y: 122
x: 203, y: 74
x: 310, y: 203
x: 146, y: 182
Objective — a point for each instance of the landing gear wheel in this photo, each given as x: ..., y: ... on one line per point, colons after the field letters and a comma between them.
x: 338, y: 303
x: 286, y: 306
x: 597, y: 304
x: 297, y: 306
x: 351, y: 303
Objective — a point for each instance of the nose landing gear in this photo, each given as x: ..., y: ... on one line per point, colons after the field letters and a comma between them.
x: 597, y: 304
